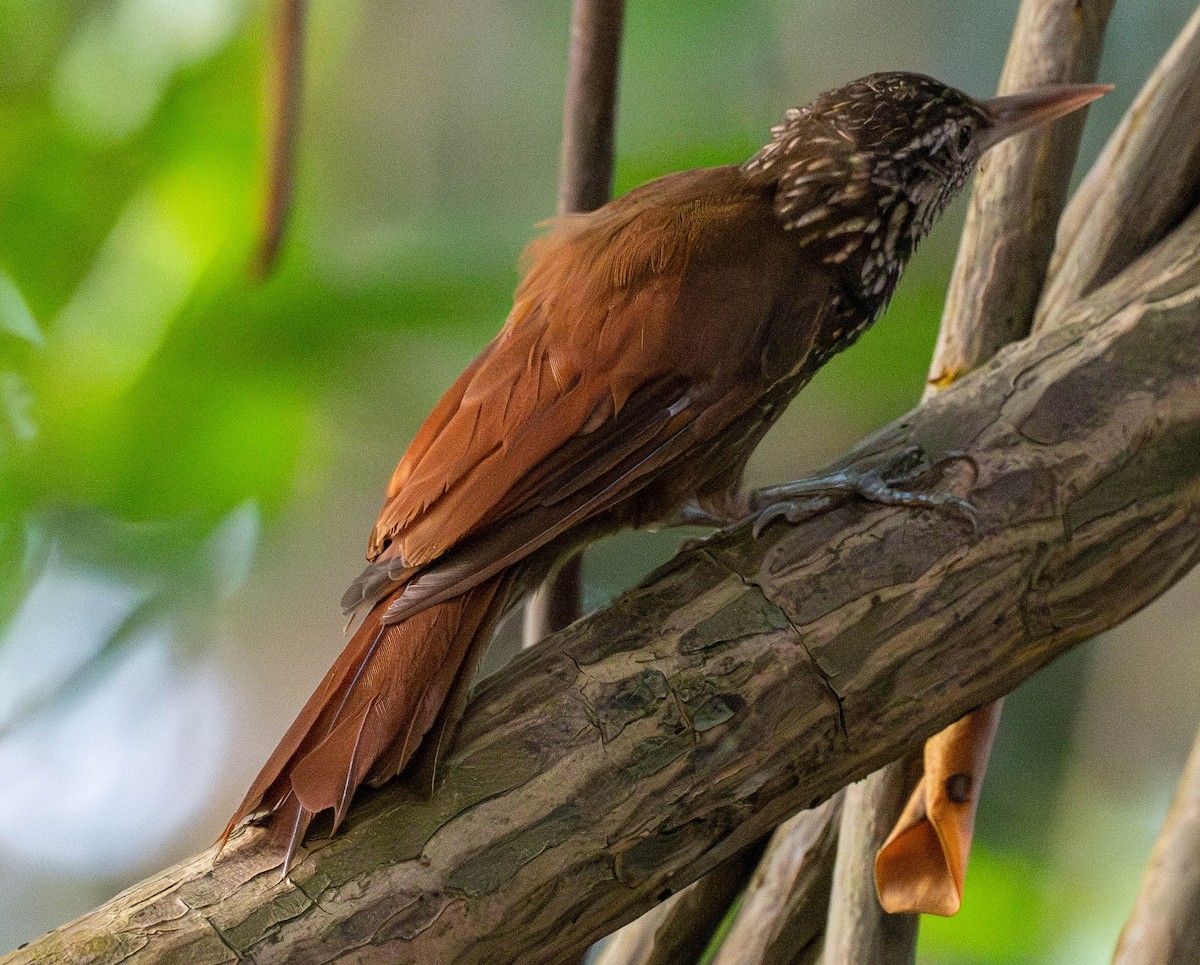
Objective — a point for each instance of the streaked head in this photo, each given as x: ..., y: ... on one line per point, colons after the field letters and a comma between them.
x: 863, y: 171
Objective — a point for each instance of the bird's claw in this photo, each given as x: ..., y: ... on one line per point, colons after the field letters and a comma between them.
x: 805, y: 498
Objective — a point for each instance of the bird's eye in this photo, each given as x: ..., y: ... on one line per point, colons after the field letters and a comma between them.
x: 964, y: 138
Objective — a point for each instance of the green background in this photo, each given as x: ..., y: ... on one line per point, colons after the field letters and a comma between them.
x: 190, y: 461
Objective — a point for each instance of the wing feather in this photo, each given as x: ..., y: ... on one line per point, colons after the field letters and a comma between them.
x: 635, y: 334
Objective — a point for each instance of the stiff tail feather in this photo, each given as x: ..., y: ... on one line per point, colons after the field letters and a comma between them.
x: 365, y: 721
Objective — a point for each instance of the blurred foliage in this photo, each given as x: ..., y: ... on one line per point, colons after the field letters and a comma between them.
x: 166, y: 389
x: 1002, y: 922
x: 117, y: 240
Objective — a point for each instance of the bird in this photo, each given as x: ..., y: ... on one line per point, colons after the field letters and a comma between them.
x: 651, y: 344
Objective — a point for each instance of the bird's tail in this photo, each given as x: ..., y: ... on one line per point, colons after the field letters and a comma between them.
x: 365, y: 721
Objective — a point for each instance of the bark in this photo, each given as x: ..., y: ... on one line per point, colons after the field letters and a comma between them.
x: 859, y: 930
x: 679, y: 929
x: 747, y: 679
x: 781, y: 919
x: 1164, y: 928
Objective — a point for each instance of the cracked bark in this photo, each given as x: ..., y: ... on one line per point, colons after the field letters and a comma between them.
x: 716, y: 684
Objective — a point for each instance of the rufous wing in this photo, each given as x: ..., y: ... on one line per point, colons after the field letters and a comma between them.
x: 637, y: 334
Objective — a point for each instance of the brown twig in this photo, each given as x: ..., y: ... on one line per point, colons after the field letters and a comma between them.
x: 585, y: 183
x: 590, y: 107
x: 283, y: 125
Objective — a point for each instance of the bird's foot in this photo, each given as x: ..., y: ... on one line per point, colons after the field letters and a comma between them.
x: 805, y: 498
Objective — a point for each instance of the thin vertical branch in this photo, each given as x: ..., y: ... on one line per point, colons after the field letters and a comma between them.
x: 1020, y: 192
x: 997, y: 279
x: 585, y: 183
x: 590, y: 108
x: 859, y: 930
x: 1165, y: 924
x: 283, y: 125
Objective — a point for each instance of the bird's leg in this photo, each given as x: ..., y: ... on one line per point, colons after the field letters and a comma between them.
x: 692, y: 513
x: 721, y: 512
x: 804, y: 498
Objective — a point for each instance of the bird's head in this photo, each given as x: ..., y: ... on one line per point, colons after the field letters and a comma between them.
x: 862, y: 172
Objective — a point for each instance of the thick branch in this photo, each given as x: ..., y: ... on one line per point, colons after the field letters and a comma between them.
x: 748, y: 679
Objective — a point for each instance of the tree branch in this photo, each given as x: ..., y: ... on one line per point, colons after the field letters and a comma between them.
x: 590, y: 107
x: 1145, y: 182
x: 747, y: 679
x: 1022, y: 186
x: 1165, y: 925
x: 680, y: 928
x: 781, y: 920
x: 584, y: 183
x: 858, y: 929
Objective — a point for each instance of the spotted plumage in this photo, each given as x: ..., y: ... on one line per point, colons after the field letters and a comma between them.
x: 861, y: 175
